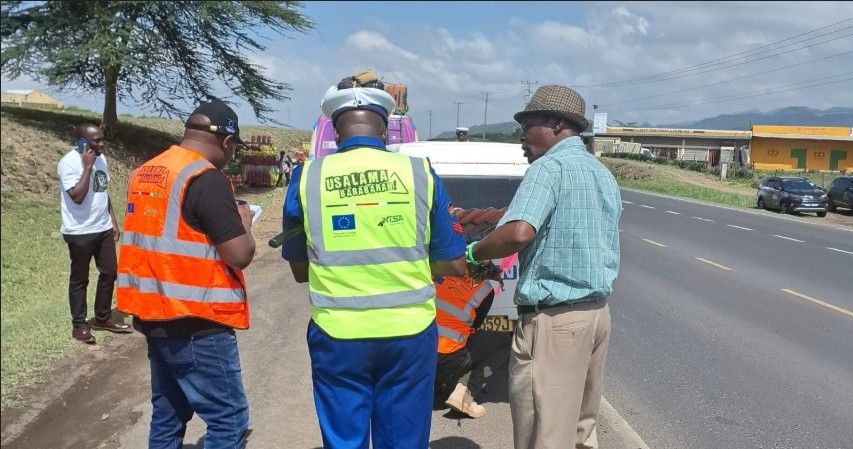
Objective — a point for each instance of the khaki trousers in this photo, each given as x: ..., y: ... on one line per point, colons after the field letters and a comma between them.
x: 556, y: 376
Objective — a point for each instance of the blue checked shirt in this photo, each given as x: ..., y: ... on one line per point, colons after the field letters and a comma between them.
x: 573, y: 202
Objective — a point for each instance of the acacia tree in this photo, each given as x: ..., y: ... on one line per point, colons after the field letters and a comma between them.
x: 161, y: 56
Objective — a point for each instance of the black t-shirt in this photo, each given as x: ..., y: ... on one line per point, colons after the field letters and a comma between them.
x: 209, y: 208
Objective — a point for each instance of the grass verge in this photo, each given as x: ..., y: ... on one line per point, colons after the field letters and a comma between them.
x: 682, y: 190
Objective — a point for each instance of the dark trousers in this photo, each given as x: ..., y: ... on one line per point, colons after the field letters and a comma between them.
x: 449, y: 370
x: 82, y: 248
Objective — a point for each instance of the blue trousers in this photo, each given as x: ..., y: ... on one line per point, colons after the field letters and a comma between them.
x: 197, y: 375
x: 379, y: 390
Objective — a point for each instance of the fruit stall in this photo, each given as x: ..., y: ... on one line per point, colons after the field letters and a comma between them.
x: 259, y: 162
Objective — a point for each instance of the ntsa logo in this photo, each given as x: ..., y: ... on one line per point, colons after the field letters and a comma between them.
x: 511, y: 274
x: 390, y: 220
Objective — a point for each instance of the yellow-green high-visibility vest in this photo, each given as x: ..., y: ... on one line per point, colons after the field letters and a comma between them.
x: 368, y: 230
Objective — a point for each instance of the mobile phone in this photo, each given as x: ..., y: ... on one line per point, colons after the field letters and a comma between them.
x: 82, y: 145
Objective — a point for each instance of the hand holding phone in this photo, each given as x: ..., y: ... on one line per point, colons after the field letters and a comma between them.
x: 86, y: 153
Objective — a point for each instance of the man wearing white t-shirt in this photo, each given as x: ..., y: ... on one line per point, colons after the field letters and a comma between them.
x: 89, y: 228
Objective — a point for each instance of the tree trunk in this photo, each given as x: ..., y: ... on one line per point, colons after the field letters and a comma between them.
x: 110, y: 118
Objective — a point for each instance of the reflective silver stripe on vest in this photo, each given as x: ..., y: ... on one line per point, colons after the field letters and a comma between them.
x: 181, y: 292
x: 478, y: 297
x: 451, y: 334
x: 168, y: 243
x: 317, y: 252
x: 170, y: 246
x: 383, y: 300
x: 449, y: 309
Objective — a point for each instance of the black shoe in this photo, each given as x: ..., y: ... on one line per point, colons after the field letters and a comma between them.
x: 81, y: 332
x: 112, y: 326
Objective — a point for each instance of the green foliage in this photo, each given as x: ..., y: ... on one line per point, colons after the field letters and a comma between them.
x: 162, y: 56
x: 637, y: 157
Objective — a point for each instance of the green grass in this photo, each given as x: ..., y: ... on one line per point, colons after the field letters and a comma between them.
x: 680, y: 189
x: 36, y: 322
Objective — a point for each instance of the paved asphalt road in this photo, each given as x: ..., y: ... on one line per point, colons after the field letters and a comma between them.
x: 732, y: 328
x: 705, y: 353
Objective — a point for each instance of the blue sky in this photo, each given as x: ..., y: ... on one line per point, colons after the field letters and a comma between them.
x: 448, y: 52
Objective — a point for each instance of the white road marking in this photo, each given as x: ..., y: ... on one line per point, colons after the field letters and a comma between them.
x: 740, y: 227
x: 647, y: 207
x: 714, y: 264
x: 817, y: 301
x: 788, y: 238
x: 839, y: 250
x: 627, y: 202
x: 703, y: 219
x: 673, y: 213
x: 655, y: 243
x: 762, y: 213
x: 627, y: 435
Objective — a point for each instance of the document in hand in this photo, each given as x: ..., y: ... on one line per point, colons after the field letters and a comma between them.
x: 257, y: 212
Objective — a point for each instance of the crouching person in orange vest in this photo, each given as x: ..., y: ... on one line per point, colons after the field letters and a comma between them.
x: 184, y: 246
x: 462, y: 304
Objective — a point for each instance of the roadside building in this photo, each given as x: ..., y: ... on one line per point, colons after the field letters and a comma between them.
x: 709, y: 146
x: 30, y: 98
x: 802, y: 147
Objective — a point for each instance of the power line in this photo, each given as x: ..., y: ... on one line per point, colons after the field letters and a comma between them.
x: 527, y: 90
x: 770, y: 91
x: 674, y: 74
x: 485, y: 113
x: 730, y: 80
x: 458, y: 109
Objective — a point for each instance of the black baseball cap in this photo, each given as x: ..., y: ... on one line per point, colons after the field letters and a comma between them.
x: 223, y: 120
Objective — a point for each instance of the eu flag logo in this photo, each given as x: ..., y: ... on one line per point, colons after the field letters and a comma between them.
x: 343, y: 222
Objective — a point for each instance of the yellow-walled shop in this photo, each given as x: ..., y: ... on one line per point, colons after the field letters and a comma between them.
x: 802, y: 147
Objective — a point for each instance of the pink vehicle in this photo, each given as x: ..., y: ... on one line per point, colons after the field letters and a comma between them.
x: 401, y: 129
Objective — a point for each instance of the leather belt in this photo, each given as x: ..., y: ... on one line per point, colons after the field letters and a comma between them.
x: 539, y: 307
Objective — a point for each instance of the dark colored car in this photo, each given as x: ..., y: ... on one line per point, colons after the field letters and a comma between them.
x: 790, y: 194
x: 840, y: 193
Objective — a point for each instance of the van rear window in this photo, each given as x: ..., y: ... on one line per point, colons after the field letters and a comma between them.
x: 480, y: 192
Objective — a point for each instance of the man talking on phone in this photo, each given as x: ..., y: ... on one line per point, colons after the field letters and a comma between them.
x: 90, y: 230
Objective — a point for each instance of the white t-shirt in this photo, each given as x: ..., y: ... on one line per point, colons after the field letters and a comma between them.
x: 92, y: 215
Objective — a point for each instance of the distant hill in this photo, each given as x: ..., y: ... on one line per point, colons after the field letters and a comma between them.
x: 790, y: 116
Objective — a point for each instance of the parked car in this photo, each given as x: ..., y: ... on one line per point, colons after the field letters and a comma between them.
x: 789, y: 194
x: 840, y: 193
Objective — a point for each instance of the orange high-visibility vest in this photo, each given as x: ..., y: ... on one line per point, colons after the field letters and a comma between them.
x: 456, y: 302
x: 167, y: 269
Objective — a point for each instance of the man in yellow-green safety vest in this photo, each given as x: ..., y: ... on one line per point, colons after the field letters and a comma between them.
x: 377, y: 226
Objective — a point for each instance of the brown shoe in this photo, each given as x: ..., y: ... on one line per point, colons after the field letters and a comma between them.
x: 81, y: 332
x: 112, y: 326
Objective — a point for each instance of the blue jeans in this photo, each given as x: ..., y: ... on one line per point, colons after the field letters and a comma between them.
x: 374, y: 390
x: 197, y: 375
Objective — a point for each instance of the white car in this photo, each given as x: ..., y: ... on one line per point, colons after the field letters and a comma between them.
x: 481, y: 178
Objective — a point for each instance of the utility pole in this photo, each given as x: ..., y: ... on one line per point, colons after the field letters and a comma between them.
x: 485, y: 113
x: 458, y: 109
x: 430, y: 123
x: 527, y: 90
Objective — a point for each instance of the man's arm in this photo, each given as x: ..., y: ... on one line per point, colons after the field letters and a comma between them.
x: 113, y: 218
x: 295, y: 249
x: 447, y: 247
x: 209, y: 207
x: 504, y: 241
x: 239, y: 251
x: 79, y: 191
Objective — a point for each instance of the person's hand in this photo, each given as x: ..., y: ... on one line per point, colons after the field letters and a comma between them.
x: 246, y: 214
x: 88, y: 156
x: 116, y: 232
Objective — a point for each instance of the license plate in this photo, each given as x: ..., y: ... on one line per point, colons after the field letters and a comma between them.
x: 498, y: 324
x: 810, y: 204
